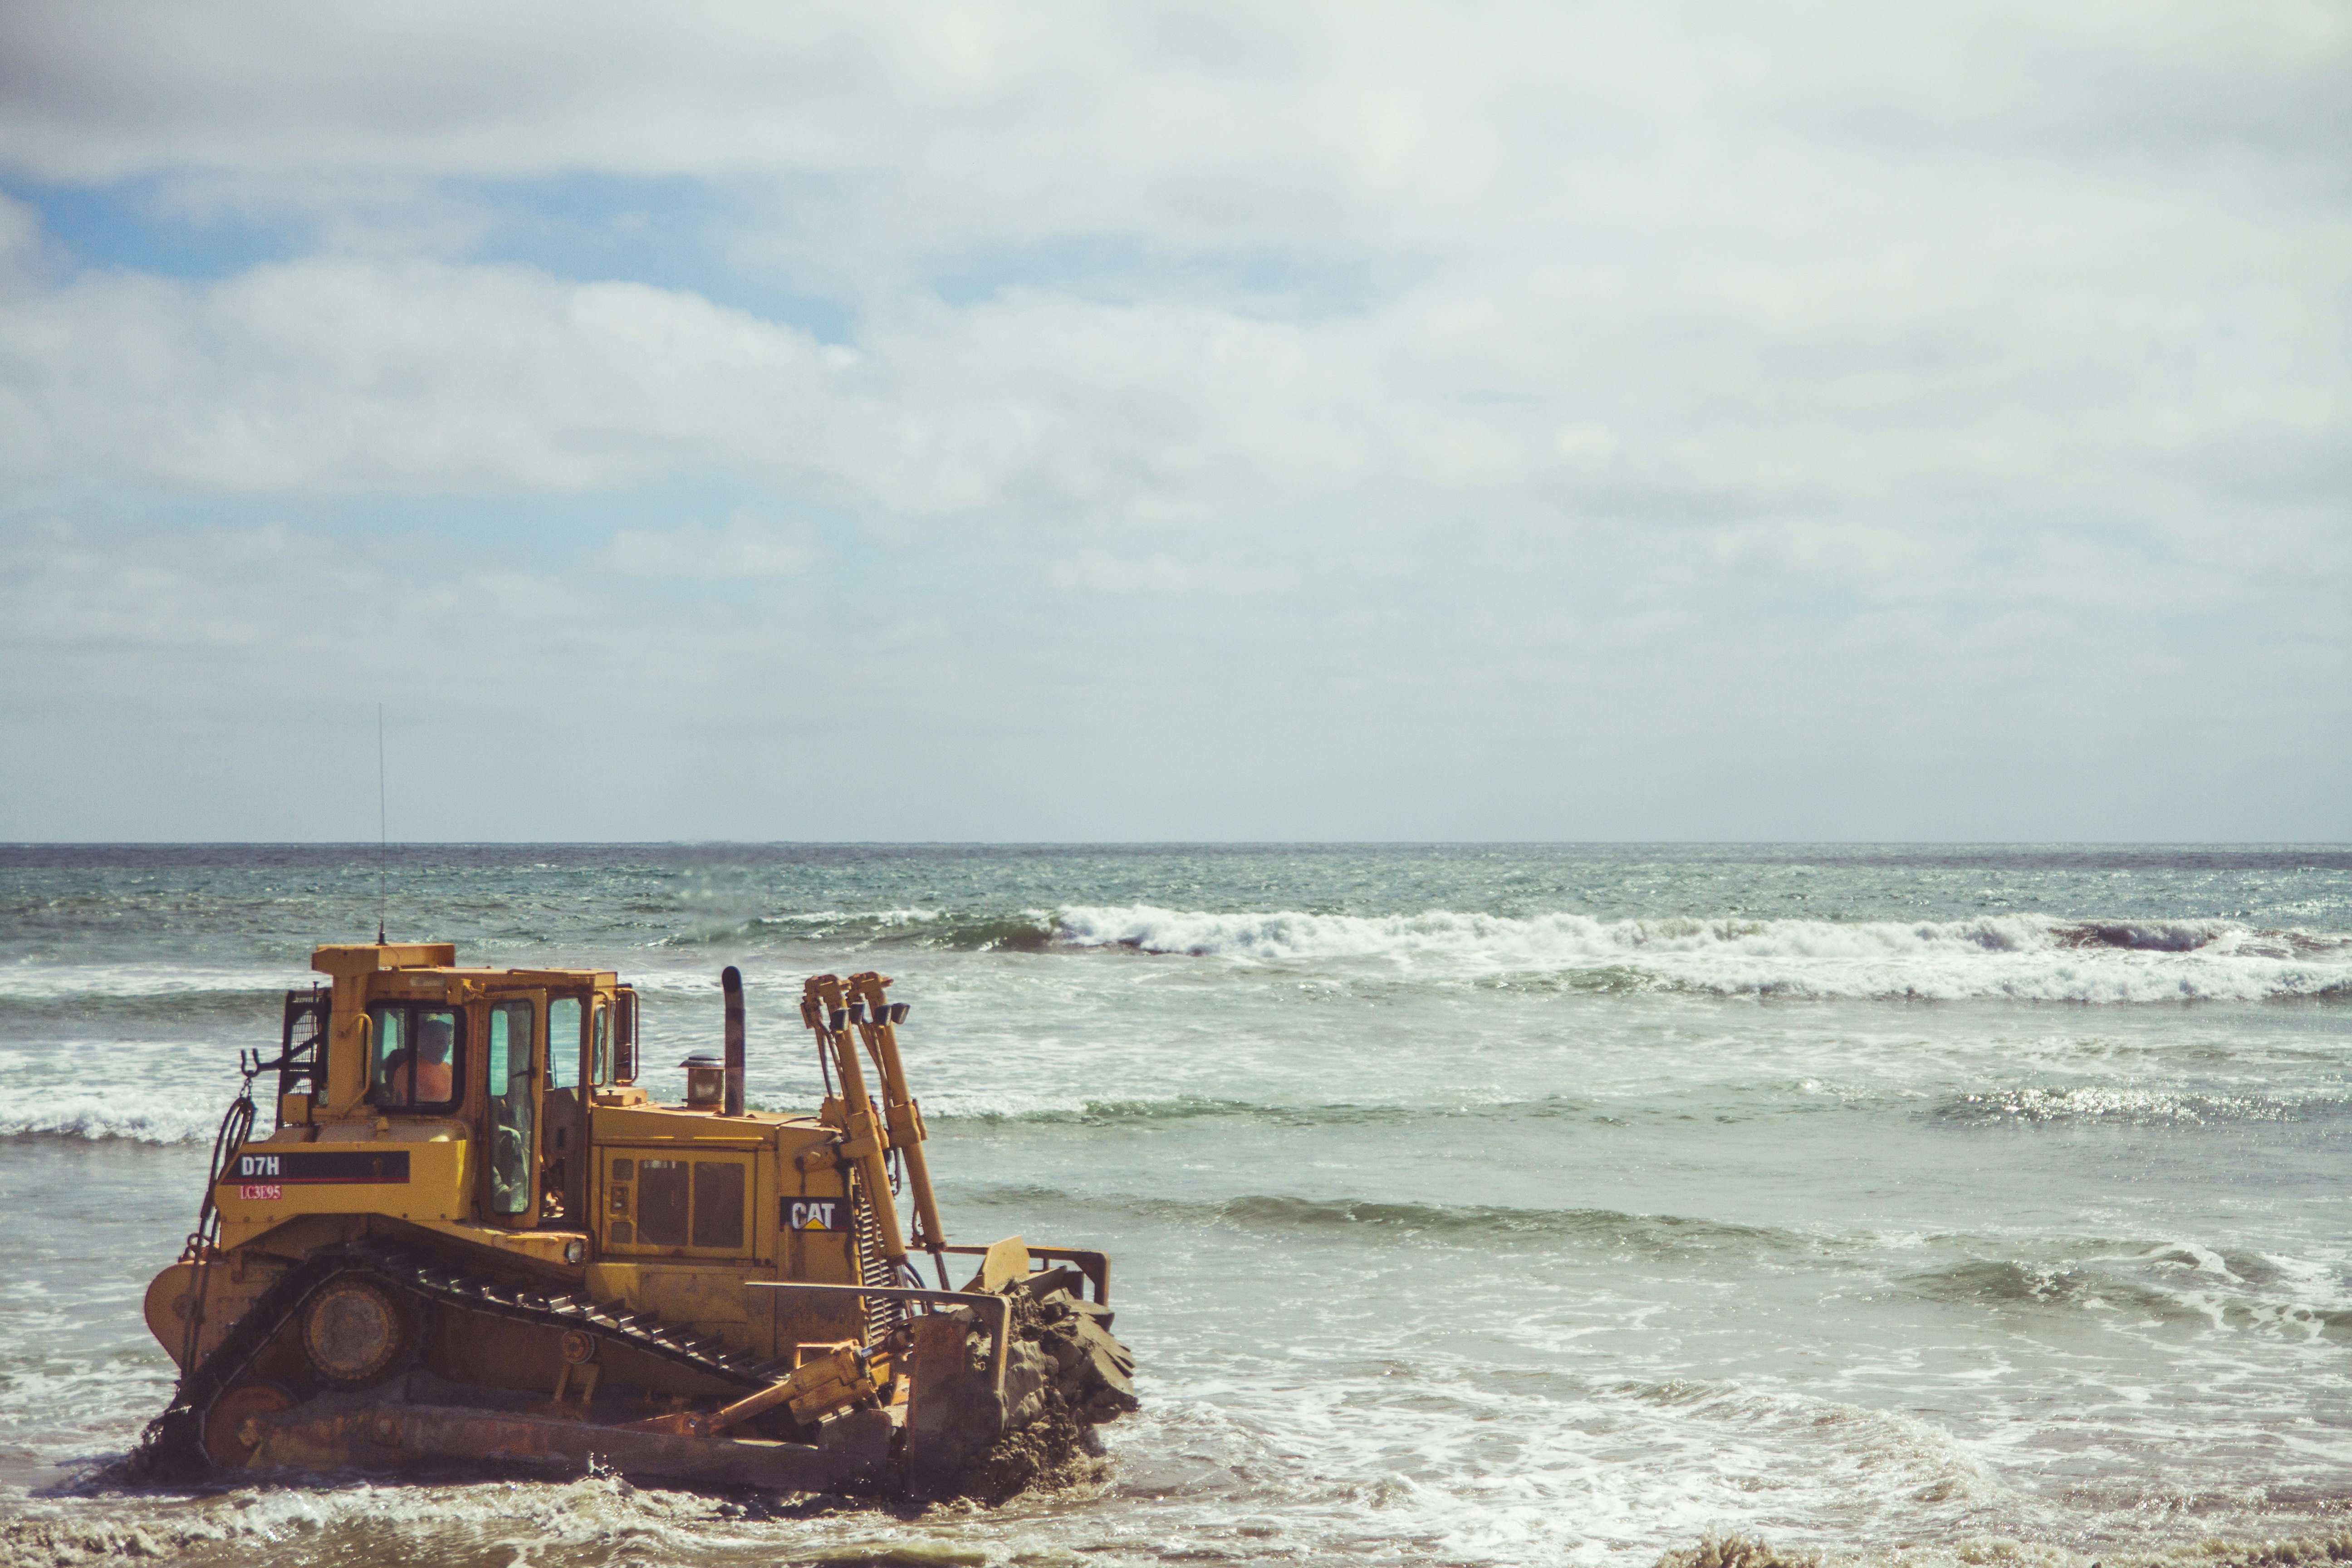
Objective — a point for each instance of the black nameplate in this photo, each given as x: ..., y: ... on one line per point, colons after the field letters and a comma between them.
x: 317, y: 1166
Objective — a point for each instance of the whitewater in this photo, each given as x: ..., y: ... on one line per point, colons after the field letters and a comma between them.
x: 1468, y: 1203
x: 2031, y: 958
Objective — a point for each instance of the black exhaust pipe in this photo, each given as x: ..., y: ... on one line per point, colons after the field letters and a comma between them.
x: 730, y: 980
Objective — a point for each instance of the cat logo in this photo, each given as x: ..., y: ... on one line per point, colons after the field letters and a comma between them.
x: 815, y: 1213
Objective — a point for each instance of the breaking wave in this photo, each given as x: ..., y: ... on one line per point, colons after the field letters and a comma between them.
x: 2134, y: 1106
x: 91, y: 1117
x: 1652, y: 1232
x: 167, y: 985
x: 1040, y: 1110
x: 955, y: 930
x: 2023, y: 957
x: 2014, y: 1282
x: 2175, y: 1282
x: 1463, y: 1223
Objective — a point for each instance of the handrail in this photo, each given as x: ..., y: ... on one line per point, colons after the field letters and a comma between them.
x: 1095, y: 1265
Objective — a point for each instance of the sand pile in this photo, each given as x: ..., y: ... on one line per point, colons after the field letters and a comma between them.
x: 1067, y: 1373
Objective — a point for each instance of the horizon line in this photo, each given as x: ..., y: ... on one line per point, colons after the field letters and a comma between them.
x: 1148, y: 843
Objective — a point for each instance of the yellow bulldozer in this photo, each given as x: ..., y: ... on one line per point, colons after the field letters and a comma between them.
x: 473, y: 1238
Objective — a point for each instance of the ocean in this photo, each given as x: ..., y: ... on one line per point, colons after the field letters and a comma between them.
x: 1508, y: 1204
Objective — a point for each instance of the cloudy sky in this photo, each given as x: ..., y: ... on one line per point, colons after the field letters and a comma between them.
x: 1086, y: 421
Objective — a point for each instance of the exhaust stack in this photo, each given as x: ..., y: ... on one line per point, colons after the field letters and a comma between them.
x: 730, y: 980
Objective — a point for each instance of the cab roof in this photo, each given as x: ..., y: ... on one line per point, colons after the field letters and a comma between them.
x: 350, y: 960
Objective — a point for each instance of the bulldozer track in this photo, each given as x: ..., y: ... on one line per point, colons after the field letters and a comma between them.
x: 180, y: 1429
x: 639, y: 1331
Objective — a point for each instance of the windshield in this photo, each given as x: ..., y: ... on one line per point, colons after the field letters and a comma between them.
x: 412, y: 1053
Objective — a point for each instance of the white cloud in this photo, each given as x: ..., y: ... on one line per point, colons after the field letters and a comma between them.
x: 1740, y: 374
x: 1700, y: 263
x: 1096, y: 572
x: 746, y: 547
x: 346, y: 375
x: 1363, y: 125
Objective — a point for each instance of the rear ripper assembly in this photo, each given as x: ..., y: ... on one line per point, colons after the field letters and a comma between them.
x: 473, y: 1238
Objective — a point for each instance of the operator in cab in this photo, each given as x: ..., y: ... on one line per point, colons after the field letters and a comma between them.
x: 423, y: 1078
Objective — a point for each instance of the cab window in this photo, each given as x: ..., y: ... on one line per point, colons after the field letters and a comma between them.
x: 563, y: 1043
x: 600, y: 1053
x: 415, y: 1054
x: 510, y: 1075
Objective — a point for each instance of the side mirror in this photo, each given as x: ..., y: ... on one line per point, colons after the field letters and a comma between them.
x: 625, y: 1035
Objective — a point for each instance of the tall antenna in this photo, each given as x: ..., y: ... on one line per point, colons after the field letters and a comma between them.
x: 383, y: 827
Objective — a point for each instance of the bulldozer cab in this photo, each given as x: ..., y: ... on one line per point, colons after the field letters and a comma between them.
x: 483, y: 1103
x: 510, y: 1062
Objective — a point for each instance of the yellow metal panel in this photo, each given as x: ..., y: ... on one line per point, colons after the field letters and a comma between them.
x: 680, y: 1292
x: 1007, y: 1262
x: 653, y: 1123
x: 559, y: 979
x: 345, y: 960
x: 620, y: 1199
x: 347, y: 1046
x: 267, y: 1184
x: 708, y: 1298
x: 761, y: 1219
x: 543, y: 1246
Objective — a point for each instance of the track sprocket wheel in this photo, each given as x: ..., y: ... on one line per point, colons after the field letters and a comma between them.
x: 223, y: 1440
x: 357, y: 1331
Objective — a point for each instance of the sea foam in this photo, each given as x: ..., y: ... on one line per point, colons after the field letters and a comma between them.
x: 2019, y: 956
x: 138, y: 1118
